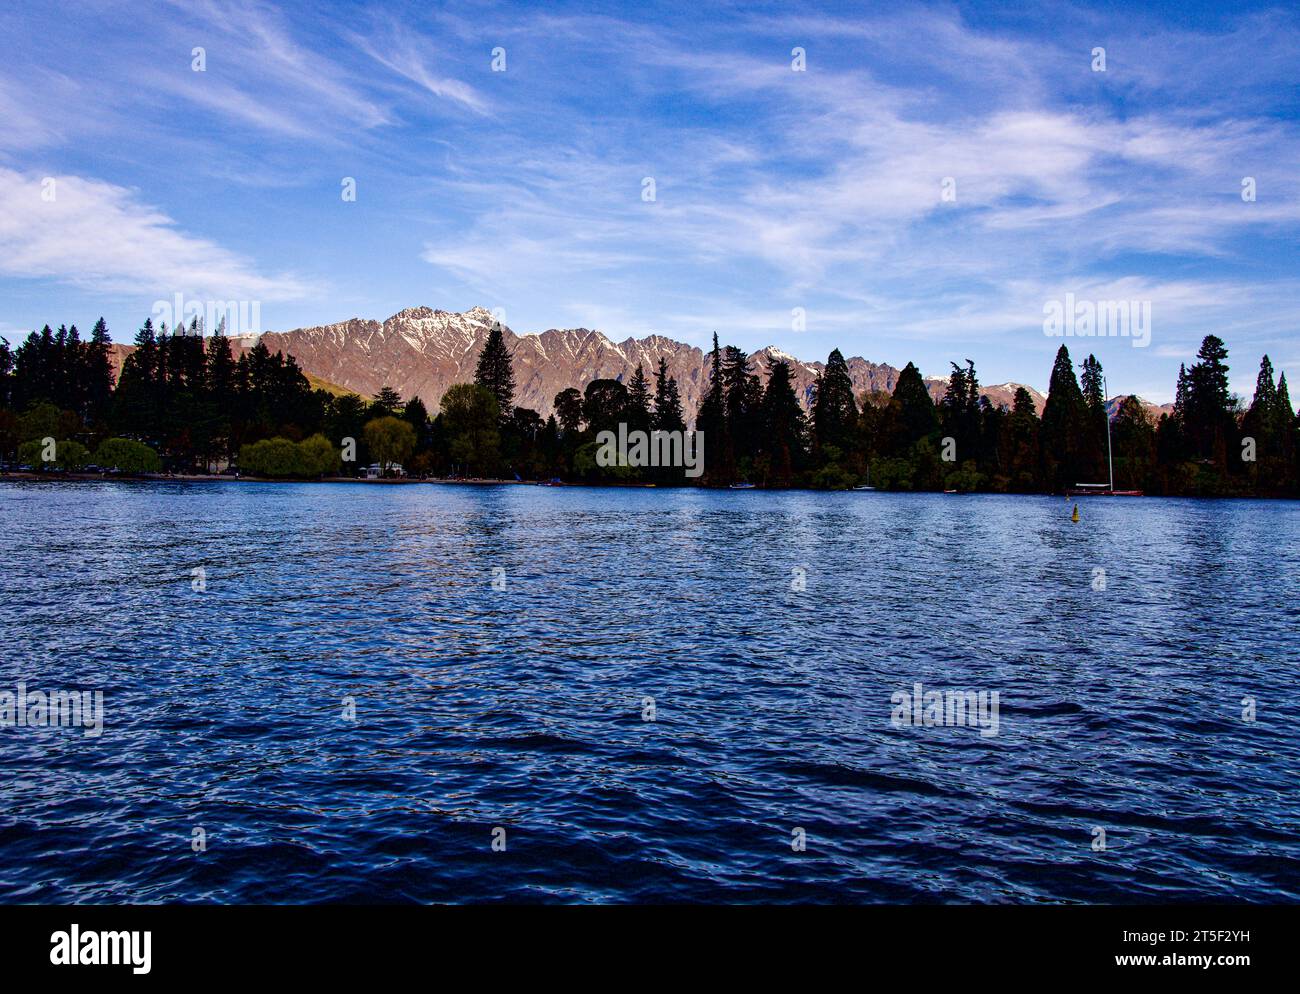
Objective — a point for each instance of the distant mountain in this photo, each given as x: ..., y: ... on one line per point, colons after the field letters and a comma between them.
x: 420, y: 352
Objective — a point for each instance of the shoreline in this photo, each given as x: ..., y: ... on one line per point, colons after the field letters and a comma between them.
x: 215, y: 478
x: 28, y: 477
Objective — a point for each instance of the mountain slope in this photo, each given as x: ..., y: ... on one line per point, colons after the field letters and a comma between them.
x: 420, y: 352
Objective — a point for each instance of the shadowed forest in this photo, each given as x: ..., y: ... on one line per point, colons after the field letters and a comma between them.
x: 185, y: 403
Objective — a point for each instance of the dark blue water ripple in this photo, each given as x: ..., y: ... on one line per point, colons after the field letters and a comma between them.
x: 522, y: 708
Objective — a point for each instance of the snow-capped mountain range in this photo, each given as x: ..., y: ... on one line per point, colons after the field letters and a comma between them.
x: 420, y: 352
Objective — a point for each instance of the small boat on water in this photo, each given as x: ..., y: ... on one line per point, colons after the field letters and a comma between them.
x: 1099, y: 490
x: 864, y: 488
x: 554, y: 482
x: 743, y: 486
x: 1102, y: 489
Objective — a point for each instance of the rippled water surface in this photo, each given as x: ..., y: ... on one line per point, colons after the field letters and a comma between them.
x: 523, y: 708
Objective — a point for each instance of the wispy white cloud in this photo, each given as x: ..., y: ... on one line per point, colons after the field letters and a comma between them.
x: 400, y: 53
x: 97, y: 235
x: 252, y: 49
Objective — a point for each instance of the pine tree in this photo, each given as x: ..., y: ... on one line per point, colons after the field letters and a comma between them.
x: 387, y: 402
x: 1022, y: 447
x: 1090, y: 383
x: 834, y: 411
x: 1093, y: 446
x: 711, y: 422
x: 417, y: 415
x: 784, y: 428
x: 6, y: 380
x: 60, y: 373
x: 1180, y: 393
x: 1265, y: 389
x: 222, y: 394
x: 1287, y: 426
x: 1022, y: 404
x: 99, y: 374
x: 1208, y: 417
x: 668, y: 414
x: 1261, y: 419
x: 495, y: 371
x: 1064, y: 430
x: 742, y: 394
x: 1284, y: 413
x: 638, y: 401
x: 960, y: 412
x: 1134, y: 440
x: 912, y: 412
x: 76, y: 389
x: 136, y: 407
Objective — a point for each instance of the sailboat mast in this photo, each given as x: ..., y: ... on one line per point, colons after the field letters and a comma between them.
x: 1110, y: 463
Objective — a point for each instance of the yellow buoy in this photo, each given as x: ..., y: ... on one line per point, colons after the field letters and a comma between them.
x: 1075, y: 516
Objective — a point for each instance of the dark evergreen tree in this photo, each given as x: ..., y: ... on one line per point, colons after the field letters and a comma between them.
x: 192, y: 401
x: 783, y: 428
x: 136, y: 407
x: 1288, y: 429
x: 388, y: 402
x: 222, y: 395
x: 604, y: 405
x: 742, y: 395
x: 668, y: 414
x: 568, y: 409
x: 834, y: 411
x: 99, y: 374
x: 638, y: 402
x: 1093, y: 445
x: 1090, y: 384
x: 711, y: 422
x: 960, y: 415
x: 1261, y: 421
x: 6, y: 375
x: 495, y: 371
x: 417, y: 416
x: 912, y: 412
x: 1207, y: 419
x: 1133, y: 438
x: 1064, y: 431
x: 1021, y: 451
x: 346, y: 418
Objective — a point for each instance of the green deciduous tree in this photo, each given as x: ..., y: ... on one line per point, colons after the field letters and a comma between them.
x: 390, y: 440
x: 126, y: 455
x: 471, y: 421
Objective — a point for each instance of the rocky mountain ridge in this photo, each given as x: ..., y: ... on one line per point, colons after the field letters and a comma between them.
x: 420, y: 352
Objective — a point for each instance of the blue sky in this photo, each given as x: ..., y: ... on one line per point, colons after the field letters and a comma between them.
x: 774, y: 189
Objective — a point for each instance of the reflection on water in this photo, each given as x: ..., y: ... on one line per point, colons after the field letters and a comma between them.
x: 523, y: 708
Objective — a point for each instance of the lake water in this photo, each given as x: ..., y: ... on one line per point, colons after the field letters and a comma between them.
x: 524, y: 709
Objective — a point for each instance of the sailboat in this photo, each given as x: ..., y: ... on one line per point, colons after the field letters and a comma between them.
x: 1102, y: 489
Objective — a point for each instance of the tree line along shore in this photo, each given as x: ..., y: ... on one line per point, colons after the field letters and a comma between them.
x: 184, y: 404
